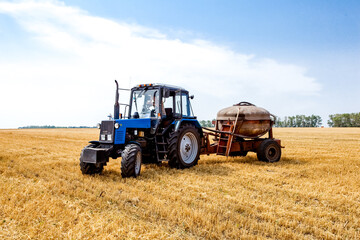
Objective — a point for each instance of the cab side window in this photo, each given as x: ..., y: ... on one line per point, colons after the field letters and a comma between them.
x: 178, y: 104
x: 168, y: 103
x: 182, y: 105
x: 185, y: 105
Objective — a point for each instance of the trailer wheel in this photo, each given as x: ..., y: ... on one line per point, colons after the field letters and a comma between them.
x: 184, y: 147
x: 131, y: 159
x: 90, y: 168
x: 269, y: 151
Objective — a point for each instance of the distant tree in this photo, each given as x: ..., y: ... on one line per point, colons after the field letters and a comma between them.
x: 278, y: 122
x: 207, y: 123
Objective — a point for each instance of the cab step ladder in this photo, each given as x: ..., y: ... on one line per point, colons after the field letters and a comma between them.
x: 161, y: 147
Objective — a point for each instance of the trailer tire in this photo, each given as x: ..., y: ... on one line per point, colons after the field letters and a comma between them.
x: 90, y: 168
x: 269, y: 151
x: 131, y: 159
x: 184, y: 147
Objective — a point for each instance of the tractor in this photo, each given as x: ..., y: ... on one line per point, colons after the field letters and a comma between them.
x: 158, y: 124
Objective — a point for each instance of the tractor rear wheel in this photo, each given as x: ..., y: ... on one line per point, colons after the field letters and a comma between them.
x: 184, y: 147
x: 131, y: 158
x: 90, y: 168
x: 269, y: 151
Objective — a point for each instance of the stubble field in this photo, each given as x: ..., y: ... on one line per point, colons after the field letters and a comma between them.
x: 312, y: 193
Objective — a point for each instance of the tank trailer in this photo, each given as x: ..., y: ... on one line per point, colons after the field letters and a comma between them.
x: 158, y: 125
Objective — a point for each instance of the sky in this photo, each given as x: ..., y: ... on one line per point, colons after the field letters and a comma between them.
x: 59, y: 59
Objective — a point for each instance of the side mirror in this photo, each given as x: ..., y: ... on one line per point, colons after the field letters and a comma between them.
x: 191, y: 97
x: 166, y: 93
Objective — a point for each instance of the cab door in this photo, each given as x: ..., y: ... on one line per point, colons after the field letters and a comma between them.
x: 182, y: 105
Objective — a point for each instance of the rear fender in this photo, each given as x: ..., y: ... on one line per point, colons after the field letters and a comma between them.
x: 180, y: 122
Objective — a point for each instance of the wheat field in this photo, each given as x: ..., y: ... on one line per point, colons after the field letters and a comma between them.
x: 312, y: 193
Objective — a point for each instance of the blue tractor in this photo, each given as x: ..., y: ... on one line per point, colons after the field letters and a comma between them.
x: 157, y: 125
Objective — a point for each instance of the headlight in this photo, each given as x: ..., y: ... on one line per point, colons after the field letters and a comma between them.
x: 109, y: 137
x: 102, y: 137
x: 98, y: 125
x: 117, y: 125
x: 135, y: 132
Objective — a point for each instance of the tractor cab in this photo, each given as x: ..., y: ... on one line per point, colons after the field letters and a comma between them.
x: 162, y: 104
x: 159, y: 101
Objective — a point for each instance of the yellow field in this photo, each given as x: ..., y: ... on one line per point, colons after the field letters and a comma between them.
x: 313, y: 192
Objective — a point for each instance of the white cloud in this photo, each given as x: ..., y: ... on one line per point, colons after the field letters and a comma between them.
x: 82, y: 54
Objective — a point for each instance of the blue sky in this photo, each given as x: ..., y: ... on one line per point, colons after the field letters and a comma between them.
x: 254, y: 26
x: 289, y: 57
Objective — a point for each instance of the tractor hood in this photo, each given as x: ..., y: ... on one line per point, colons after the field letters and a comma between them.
x: 120, y: 132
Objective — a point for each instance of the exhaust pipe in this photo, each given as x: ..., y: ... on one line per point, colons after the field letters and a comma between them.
x: 117, y: 106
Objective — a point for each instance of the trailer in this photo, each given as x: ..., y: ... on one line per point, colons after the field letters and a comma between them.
x: 227, y: 143
x: 240, y: 129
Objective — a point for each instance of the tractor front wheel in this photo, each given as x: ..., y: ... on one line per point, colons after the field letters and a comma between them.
x: 131, y: 159
x: 269, y: 151
x: 184, y: 147
x: 90, y: 168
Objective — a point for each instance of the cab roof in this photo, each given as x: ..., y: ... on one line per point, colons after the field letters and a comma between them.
x: 158, y: 85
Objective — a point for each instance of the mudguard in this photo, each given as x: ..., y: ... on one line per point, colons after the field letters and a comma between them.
x: 195, y: 122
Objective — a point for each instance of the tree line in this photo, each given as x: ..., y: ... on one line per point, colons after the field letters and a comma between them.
x: 299, y: 121
x: 50, y: 126
x: 344, y: 120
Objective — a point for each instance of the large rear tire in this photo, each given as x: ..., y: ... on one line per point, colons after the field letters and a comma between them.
x: 269, y: 151
x: 131, y: 161
x: 184, y: 147
x: 90, y: 168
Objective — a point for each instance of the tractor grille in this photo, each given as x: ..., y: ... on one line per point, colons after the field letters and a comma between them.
x: 107, y: 131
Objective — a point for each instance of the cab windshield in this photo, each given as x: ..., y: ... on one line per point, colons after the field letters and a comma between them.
x: 145, y: 103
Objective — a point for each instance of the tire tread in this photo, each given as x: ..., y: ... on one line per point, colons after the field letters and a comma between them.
x: 128, y: 159
x: 261, y: 155
x: 174, y: 161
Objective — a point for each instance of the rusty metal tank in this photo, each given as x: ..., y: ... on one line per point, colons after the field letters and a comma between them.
x: 252, y: 121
